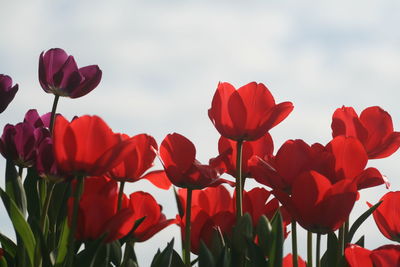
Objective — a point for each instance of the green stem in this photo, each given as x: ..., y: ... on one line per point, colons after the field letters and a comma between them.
x: 239, y: 183
x: 186, y: 245
x: 71, y: 238
x: 317, y: 257
x: 120, y: 195
x: 341, y: 242
x: 309, y: 249
x: 294, y: 244
x: 53, y: 113
x: 38, y: 256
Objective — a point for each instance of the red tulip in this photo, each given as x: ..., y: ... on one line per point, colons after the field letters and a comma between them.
x: 314, y: 201
x: 178, y: 156
x: 145, y: 206
x: 387, y: 215
x: 98, y: 215
x: 279, y: 172
x: 247, y: 113
x: 262, y: 148
x: 213, y: 208
x: 288, y: 261
x: 7, y: 91
x: 374, y: 129
x: 140, y: 159
x: 59, y: 74
x: 384, y: 256
x: 88, y: 146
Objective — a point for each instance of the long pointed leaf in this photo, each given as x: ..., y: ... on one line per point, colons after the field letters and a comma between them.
x: 62, y: 244
x: 359, y: 221
x: 20, y: 225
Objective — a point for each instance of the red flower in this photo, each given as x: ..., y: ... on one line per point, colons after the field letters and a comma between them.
x: 59, y: 74
x: 144, y: 205
x: 387, y: 215
x: 288, y: 261
x: 374, y: 128
x: 314, y: 202
x: 247, y: 113
x: 88, y: 146
x: 178, y: 156
x: 262, y: 148
x: 279, y: 172
x: 213, y: 208
x: 140, y: 159
x: 384, y: 256
x: 98, y: 213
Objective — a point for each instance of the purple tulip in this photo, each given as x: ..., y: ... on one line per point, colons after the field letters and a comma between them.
x: 19, y: 143
x: 46, y: 164
x: 59, y: 74
x: 7, y: 91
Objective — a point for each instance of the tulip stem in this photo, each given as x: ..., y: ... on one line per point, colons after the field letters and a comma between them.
x: 239, y: 184
x: 53, y: 113
x: 317, y: 257
x: 120, y: 195
x: 77, y: 197
x: 186, y: 245
x: 309, y: 249
x: 294, y: 244
x: 341, y: 242
x: 43, y: 216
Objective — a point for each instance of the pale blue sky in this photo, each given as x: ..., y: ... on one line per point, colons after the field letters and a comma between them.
x: 162, y: 61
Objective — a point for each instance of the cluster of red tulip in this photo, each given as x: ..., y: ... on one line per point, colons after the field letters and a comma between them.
x: 64, y: 184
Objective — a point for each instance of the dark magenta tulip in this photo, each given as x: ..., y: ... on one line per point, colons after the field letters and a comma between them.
x: 60, y: 75
x: 7, y: 91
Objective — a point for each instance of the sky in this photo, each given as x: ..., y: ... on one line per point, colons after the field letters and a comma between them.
x: 162, y: 61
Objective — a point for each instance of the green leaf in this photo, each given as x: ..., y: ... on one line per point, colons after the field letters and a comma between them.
x: 242, y: 231
x: 276, y: 250
x: 361, y: 241
x: 32, y: 196
x: 62, y: 244
x: 206, y: 258
x: 129, y: 255
x: 115, y: 253
x: 330, y: 257
x: 256, y: 255
x: 225, y: 258
x: 359, y: 221
x: 87, y: 257
x: 176, y: 260
x: 8, y: 245
x: 3, y: 262
x: 164, y: 258
x: 264, y: 233
x: 20, y: 225
x: 14, y: 187
x: 178, y: 203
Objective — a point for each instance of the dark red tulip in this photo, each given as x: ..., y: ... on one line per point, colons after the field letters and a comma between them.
x: 213, y: 208
x: 46, y: 164
x: 387, y: 217
x: 98, y: 215
x: 144, y: 205
x: 247, y: 113
x: 350, y: 160
x: 60, y: 75
x: 374, y: 129
x: 7, y: 91
x: 87, y: 146
x: 178, y: 156
x: 262, y: 148
x: 384, y: 256
x: 279, y: 172
x: 288, y: 261
x: 314, y: 201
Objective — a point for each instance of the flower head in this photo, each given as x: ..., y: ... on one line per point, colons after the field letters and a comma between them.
x: 60, y: 75
x: 246, y: 113
x: 7, y: 91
